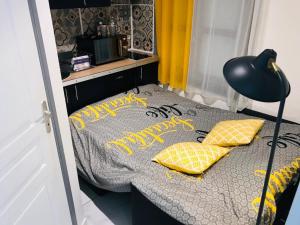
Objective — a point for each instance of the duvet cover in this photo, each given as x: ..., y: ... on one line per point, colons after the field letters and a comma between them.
x: 115, y: 139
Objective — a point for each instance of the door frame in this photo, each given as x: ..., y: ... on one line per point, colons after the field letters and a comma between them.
x: 45, y: 39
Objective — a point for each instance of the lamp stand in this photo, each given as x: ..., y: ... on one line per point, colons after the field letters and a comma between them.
x: 273, y: 147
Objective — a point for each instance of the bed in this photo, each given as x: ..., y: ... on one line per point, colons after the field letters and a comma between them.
x: 115, y: 139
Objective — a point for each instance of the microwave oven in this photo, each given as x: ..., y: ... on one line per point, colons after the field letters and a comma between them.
x: 100, y: 50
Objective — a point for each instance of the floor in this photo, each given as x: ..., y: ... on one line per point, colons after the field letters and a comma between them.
x: 105, y: 208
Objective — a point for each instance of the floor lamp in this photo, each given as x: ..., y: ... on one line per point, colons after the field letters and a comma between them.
x: 259, y: 78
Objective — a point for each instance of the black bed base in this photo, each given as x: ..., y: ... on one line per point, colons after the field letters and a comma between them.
x: 145, y: 212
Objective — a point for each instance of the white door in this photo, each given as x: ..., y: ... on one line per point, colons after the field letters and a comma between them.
x: 31, y: 184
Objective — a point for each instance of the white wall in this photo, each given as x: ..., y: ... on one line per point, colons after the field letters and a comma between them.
x: 279, y: 28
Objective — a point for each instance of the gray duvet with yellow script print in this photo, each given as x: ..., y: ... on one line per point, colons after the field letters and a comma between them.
x: 115, y: 140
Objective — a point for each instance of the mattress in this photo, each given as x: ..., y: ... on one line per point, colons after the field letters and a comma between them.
x: 115, y: 139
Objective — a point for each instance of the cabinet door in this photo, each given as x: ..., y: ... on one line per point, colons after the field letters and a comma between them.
x: 71, y: 97
x: 97, y: 3
x: 148, y: 74
x: 88, y: 92
x: 66, y: 4
x: 91, y: 91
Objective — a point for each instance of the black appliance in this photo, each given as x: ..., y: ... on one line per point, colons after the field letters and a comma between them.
x: 101, y: 50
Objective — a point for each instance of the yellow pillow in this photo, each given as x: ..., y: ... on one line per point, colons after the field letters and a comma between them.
x: 233, y: 132
x: 190, y: 157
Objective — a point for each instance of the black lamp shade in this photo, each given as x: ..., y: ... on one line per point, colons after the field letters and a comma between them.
x: 255, y: 78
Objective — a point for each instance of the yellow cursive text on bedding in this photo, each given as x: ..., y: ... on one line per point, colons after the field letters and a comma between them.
x: 279, y: 180
x: 147, y: 137
x: 93, y: 113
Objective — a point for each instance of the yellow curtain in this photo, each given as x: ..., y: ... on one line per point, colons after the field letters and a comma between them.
x: 173, y: 36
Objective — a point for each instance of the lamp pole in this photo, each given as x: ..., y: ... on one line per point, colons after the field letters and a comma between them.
x: 274, y: 143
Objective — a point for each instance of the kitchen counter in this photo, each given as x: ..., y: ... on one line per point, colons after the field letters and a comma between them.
x: 106, y: 69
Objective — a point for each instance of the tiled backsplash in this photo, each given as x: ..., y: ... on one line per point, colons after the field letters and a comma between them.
x: 67, y: 24
x: 142, y: 27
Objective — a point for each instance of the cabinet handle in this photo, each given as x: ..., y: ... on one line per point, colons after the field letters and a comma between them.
x: 119, y: 77
x: 66, y: 94
x: 76, y: 93
x: 141, y: 73
x: 84, y: 2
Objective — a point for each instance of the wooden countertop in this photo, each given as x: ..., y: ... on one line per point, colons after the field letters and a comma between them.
x: 106, y: 69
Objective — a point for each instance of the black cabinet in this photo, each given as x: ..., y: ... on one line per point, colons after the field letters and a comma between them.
x: 66, y: 4
x: 97, y: 3
x: 87, y: 92
x: 70, y: 4
x: 148, y: 74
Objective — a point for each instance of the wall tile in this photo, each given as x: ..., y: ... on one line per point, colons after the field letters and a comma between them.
x: 142, y: 27
x: 92, y: 16
x: 66, y: 26
x: 120, y: 14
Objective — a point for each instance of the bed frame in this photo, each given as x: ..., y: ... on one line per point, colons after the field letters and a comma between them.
x: 143, y: 211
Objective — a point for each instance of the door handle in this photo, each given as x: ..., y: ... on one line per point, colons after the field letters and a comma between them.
x: 46, y: 116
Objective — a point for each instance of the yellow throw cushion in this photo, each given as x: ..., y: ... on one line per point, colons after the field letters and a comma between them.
x: 190, y: 157
x: 233, y: 132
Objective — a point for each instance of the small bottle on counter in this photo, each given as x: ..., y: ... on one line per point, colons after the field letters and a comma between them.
x: 99, y: 34
x: 129, y: 41
x: 103, y: 29
x: 112, y: 28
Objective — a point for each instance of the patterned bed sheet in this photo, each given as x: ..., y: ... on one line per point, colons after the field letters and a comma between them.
x: 115, y: 139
